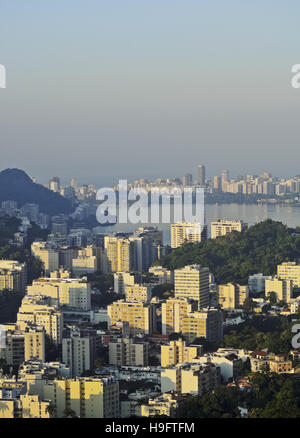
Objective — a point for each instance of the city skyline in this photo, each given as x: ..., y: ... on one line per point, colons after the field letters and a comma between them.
x: 113, y: 181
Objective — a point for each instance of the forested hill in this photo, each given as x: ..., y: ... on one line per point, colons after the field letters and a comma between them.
x: 15, y: 185
x: 234, y: 257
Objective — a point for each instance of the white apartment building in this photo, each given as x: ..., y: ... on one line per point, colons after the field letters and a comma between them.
x: 257, y: 282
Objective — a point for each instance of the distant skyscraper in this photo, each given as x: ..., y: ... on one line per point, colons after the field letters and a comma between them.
x: 217, y: 182
x: 224, y: 179
x: 187, y: 180
x: 201, y: 175
x: 54, y: 184
x: 225, y: 175
x: 73, y: 183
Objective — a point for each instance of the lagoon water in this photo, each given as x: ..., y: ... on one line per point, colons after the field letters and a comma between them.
x: 250, y: 213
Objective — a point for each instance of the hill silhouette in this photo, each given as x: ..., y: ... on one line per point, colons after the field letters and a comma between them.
x: 16, y: 185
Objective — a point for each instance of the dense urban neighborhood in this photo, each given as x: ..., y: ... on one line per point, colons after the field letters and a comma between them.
x: 99, y: 324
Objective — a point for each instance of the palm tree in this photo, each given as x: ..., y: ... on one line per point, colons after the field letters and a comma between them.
x: 3, y: 408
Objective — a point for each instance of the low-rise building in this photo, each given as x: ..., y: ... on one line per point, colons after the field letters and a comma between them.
x: 277, y: 363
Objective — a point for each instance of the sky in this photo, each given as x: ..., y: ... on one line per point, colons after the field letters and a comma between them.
x: 102, y: 90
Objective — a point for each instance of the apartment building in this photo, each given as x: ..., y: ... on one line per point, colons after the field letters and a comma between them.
x: 207, y: 323
x: 223, y: 227
x: 283, y: 288
x: 23, y: 344
x: 138, y: 292
x: 277, y: 363
x: 232, y: 296
x: 13, y: 351
x: 163, y: 275
x: 66, y: 255
x: 87, y: 397
x: 192, y: 282
x: 172, y: 312
x: 38, y: 310
x: 23, y: 406
x: 289, y: 271
x: 13, y: 275
x: 228, y: 359
x: 47, y: 255
x: 178, y: 352
x: 128, y: 352
x: 120, y: 253
x: 140, y: 316
x: 70, y: 292
x: 152, y: 233
x: 194, y: 379
x: 144, y: 251
x: 121, y: 280
x: 182, y: 233
x: 88, y: 261
x: 78, y: 350
x: 34, y: 343
x: 164, y: 405
x: 256, y: 283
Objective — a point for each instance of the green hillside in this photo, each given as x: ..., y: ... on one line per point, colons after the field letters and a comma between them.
x: 234, y: 257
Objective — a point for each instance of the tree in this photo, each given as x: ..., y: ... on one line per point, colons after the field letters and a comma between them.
x: 208, y: 346
x: 272, y: 298
x: 248, y: 306
x: 221, y: 403
x: 100, y: 362
x: 163, y: 290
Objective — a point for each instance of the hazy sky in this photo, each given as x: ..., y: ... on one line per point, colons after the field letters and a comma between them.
x: 145, y: 88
